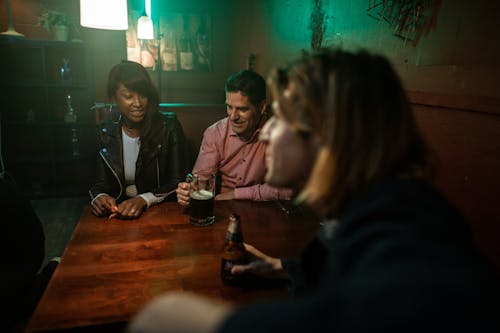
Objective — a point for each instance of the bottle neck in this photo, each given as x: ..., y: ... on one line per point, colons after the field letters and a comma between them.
x: 234, y: 233
x: 234, y: 237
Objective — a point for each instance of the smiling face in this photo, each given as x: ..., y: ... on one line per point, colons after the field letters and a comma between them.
x: 243, y: 115
x: 290, y: 154
x: 132, y: 105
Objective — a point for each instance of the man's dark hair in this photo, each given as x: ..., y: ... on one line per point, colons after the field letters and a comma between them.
x: 249, y: 83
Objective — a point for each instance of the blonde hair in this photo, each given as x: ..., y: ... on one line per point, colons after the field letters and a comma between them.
x: 356, y: 104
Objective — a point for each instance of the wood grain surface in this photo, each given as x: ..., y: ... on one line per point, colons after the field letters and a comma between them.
x: 111, y: 268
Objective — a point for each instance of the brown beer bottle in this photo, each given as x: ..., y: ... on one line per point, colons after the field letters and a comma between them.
x: 233, y: 252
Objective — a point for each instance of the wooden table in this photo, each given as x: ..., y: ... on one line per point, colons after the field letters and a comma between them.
x: 111, y: 268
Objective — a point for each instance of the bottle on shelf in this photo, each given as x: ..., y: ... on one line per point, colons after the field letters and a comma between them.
x: 202, y: 46
x: 66, y: 74
x: 185, y: 47
x: 74, y: 143
x: 168, y: 51
x: 70, y: 115
x: 233, y: 252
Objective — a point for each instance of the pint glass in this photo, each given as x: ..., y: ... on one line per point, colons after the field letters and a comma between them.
x: 201, y: 206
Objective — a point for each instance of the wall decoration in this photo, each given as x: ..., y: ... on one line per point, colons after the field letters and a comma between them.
x: 184, y: 43
x: 317, y: 24
x: 411, y: 19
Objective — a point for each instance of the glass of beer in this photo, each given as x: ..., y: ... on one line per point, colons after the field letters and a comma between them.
x: 201, y: 206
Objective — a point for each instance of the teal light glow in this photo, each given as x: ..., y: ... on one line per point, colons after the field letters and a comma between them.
x: 290, y: 19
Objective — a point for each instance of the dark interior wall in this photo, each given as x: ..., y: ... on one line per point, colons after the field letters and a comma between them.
x: 465, y: 135
x: 457, y: 53
x: 194, y: 121
x: 451, y: 74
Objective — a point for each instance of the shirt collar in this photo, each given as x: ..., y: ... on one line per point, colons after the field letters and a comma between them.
x: 255, y: 135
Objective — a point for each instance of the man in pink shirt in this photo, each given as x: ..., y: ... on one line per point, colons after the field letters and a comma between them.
x: 231, y: 147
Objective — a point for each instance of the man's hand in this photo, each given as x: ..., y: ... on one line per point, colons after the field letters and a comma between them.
x: 183, y: 193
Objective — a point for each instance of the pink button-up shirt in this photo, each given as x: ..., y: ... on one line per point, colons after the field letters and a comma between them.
x: 241, y: 164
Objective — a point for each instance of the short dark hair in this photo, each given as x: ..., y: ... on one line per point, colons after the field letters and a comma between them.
x: 135, y: 77
x: 249, y: 83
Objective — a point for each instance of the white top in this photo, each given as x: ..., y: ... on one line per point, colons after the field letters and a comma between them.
x: 130, y: 153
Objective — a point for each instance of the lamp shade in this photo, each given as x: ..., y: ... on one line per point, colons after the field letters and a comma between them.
x: 108, y: 14
x: 145, y: 28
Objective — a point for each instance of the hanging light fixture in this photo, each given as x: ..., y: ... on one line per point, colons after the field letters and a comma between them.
x: 145, y: 28
x: 108, y: 14
x: 145, y: 23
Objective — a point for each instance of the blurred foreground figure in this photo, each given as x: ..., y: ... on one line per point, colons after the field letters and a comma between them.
x: 392, y: 255
x: 23, y: 279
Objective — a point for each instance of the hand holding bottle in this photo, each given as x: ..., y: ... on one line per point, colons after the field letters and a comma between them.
x: 233, y: 251
x: 261, y: 265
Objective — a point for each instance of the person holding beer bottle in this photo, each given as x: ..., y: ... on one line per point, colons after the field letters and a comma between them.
x: 392, y: 254
x: 231, y: 148
x: 233, y: 252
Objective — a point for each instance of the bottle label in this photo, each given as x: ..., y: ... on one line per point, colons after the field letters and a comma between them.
x: 186, y: 60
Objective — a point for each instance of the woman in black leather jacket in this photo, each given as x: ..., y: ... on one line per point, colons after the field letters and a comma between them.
x: 142, y: 151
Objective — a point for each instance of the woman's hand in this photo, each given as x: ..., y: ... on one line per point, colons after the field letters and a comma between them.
x: 261, y: 265
x: 183, y: 193
x: 131, y: 208
x: 104, y: 205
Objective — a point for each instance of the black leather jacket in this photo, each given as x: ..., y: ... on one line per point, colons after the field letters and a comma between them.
x: 158, y: 170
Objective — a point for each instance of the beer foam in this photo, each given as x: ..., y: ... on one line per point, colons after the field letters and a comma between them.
x: 202, y: 195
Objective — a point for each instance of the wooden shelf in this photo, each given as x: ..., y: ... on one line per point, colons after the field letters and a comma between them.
x: 37, y: 149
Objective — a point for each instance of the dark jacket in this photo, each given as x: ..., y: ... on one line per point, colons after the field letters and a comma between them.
x: 159, y: 168
x: 401, y: 259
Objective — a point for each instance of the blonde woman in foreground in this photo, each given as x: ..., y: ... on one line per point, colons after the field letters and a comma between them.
x: 392, y: 254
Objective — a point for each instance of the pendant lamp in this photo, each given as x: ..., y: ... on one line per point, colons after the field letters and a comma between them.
x: 145, y: 28
x: 145, y: 23
x: 104, y: 14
